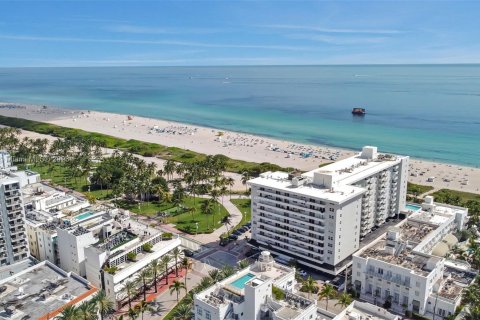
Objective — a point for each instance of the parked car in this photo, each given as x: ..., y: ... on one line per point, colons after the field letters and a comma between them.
x: 188, y: 253
x: 301, y: 272
x: 233, y: 236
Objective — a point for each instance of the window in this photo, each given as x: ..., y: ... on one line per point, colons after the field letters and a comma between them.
x: 208, y: 316
x: 380, y: 271
x: 199, y: 311
x: 417, y: 284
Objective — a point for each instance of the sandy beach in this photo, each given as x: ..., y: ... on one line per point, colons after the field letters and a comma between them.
x: 233, y: 144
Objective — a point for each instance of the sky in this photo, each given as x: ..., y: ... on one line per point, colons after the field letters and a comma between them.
x: 186, y: 33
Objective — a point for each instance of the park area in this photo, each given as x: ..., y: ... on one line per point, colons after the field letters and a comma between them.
x: 184, y: 216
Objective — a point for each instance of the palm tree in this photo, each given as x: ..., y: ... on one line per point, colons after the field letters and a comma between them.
x: 227, y: 220
x: 230, y: 182
x: 327, y: 293
x: 177, y: 286
x: 215, y: 274
x: 344, y: 300
x: 130, y: 288
x: 207, y: 208
x: 132, y: 314
x: 142, y: 307
x: 227, y: 271
x: 185, y: 263
x: 70, y: 312
x: 169, y: 168
x: 245, y: 178
x: 143, y: 277
x: 155, y: 268
x: 87, y: 311
x: 205, y: 282
x: 164, y: 262
x: 183, y: 312
x: 176, y: 254
x: 242, y: 264
x: 309, y: 285
x: 104, y: 304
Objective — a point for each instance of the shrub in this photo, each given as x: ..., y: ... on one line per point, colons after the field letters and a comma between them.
x: 147, y: 247
x: 167, y: 236
x: 278, y: 293
x: 131, y: 256
x: 110, y: 270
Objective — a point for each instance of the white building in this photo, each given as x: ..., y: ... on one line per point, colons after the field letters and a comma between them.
x: 41, y: 291
x: 247, y: 295
x: 13, y: 239
x: 401, y: 268
x: 365, y: 311
x: 5, y: 159
x: 108, y: 267
x: 319, y: 217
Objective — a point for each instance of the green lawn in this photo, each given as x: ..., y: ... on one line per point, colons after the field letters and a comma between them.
x: 464, y: 196
x: 58, y: 175
x: 417, y: 189
x: 244, y: 205
x: 186, y: 221
x: 143, y: 148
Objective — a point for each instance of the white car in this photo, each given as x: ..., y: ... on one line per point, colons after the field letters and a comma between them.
x: 302, y: 273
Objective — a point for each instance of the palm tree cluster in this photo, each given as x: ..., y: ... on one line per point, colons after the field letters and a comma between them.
x: 129, y: 176
x: 150, y: 277
x: 183, y: 311
x: 88, y: 310
x: 327, y: 292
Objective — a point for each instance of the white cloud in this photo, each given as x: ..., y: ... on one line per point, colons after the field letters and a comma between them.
x: 155, y: 42
x: 339, y: 40
x: 334, y: 30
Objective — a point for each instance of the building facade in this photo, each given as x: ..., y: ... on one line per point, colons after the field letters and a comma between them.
x: 247, y: 295
x: 319, y: 217
x: 13, y: 238
x: 401, y: 266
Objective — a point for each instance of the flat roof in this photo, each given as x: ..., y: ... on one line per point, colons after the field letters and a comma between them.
x: 279, y: 181
x: 42, y: 289
x: 355, y: 168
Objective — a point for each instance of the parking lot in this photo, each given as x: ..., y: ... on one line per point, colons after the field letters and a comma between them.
x: 220, y: 258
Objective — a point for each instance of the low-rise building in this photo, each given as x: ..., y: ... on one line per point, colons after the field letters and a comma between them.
x: 41, y: 292
x: 399, y: 268
x: 365, y: 311
x: 248, y: 295
x: 108, y: 265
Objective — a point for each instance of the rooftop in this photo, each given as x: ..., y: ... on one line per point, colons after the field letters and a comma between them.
x: 363, y: 310
x: 281, y: 181
x: 396, y: 247
x: 356, y: 168
x: 232, y: 289
x: 41, y: 289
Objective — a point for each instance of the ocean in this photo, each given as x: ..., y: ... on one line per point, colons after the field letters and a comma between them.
x: 425, y: 111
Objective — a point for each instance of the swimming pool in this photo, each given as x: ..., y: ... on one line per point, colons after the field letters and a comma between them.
x: 83, y: 216
x: 240, y: 282
x: 412, y: 207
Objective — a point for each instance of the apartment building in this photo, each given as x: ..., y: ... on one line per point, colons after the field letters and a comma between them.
x: 319, y: 217
x: 107, y: 263
x: 5, y: 159
x: 247, y: 295
x: 13, y: 239
x: 403, y: 268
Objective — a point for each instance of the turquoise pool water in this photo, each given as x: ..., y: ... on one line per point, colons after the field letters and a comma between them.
x: 413, y: 207
x: 240, y: 282
x: 83, y: 216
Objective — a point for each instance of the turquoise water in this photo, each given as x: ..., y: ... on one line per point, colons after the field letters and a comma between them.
x: 83, y: 216
x: 425, y: 111
x: 240, y: 282
x: 413, y: 207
